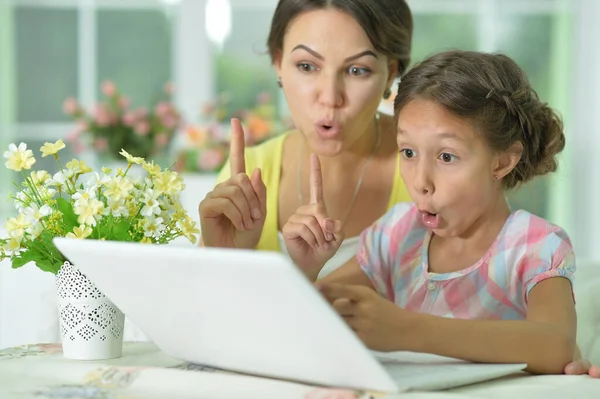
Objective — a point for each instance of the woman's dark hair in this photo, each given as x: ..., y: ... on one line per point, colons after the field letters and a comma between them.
x: 492, y: 91
x: 388, y: 24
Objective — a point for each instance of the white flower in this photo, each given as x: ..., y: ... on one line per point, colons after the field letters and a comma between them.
x: 88, y: 210
x: 84, y: 195
x: 153, y: 227
x: 19, y: 158
x: 116, y: 208
x: 33, y: 213
x: 151, y: 205
x: 96, y: 180
x: 58, y: 180
x: 21, y: 200
x: 118, y: 187
x: 35, y: 229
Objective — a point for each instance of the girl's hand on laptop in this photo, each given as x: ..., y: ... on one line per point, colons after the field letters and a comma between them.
x: 233, y: 214
x: 377, y: 321
x: 311, y: 237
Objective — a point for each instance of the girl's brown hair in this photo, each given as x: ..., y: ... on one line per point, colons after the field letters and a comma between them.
x: 387, y: 23
x: 493, y: 92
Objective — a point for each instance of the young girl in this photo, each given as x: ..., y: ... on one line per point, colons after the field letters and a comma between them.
x: 456, y: 272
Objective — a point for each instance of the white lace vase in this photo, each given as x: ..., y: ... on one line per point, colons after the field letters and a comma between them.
x: 91, y: 326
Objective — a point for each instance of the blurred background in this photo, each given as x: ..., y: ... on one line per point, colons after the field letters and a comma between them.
x: 166, y: 76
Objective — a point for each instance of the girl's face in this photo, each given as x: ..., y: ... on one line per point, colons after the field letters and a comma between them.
x: 333, y: 78
x: 449, y: 168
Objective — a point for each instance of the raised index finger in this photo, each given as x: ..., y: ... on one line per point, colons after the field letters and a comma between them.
x: 237, y: 162
x: 316, y: 180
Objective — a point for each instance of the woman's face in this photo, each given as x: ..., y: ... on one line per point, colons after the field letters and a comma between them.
x: 333, y: 78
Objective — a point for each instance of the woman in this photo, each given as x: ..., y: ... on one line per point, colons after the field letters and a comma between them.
x: 333, y: 83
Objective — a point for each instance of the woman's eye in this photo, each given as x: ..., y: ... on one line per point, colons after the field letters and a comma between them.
x: 356, y: 71
x: 305, y: 67
x: 447, y: 157
x: 408, y: 153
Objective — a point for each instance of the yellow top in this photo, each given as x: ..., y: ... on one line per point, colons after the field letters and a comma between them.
x: 268, y: 157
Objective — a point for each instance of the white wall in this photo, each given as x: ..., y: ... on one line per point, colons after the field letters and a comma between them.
x: 585, y: 135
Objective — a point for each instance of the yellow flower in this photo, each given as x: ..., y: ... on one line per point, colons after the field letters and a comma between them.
x: 19, y: 158
x: 130, y: 158
x: 78, y: 167
x: 52, y: 149
x: 188, y: 228
x: 87, y: 210
x: 146, y: 240
x: 168, y: 182
x: 118, y: 188
x: 80, y: 232
x: 151, y: 168
x: 40, y: 177
x: 15, y: 227
x: 12, y: 246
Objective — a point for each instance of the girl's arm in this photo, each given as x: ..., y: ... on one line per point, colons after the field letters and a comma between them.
x: 545, y: 340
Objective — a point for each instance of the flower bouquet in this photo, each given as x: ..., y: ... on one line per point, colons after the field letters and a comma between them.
x: 113, y: 125
x: 80, y: 203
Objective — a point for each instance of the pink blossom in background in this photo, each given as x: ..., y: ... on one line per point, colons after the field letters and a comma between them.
x: 169, y: 121
x: 70, y: 106
x: 169, y: 88
x: 207, y: 109
x: 162, y: 109
x: 130, y: 118
x: 162, y: 140
x: 109, y: 88
x: 124, y: 102
x: 100, y: 144
x: 103, y: 115
x: 82, y: 127
x: 73, y: 136
x: 263, y: 98
x: 210, y: 159
x: 141, y: 112
x: 78, y: 147
x: 142, y: 128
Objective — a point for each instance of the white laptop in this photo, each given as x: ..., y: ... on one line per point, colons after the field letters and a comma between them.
x: 255, y: 313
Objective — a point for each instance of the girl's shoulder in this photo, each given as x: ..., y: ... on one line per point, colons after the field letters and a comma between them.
x: 536, y: 238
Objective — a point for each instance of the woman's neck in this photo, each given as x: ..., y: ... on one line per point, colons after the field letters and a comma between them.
x: 357, y: 153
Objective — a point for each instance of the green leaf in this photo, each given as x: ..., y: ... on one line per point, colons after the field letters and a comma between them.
x: 23, y: 259
x: 48, y: 266
x: 69, y: 216
x: 120, y: 231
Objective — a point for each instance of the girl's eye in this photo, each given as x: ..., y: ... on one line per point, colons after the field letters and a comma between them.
x: 305, y: 67
x: 408, y: 153
x: 447, y: 158
x: 356, y: 71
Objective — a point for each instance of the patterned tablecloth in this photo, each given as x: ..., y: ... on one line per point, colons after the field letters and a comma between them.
x: 144, y: 372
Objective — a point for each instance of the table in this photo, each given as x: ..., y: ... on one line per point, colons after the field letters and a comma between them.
x: 144, y: 372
